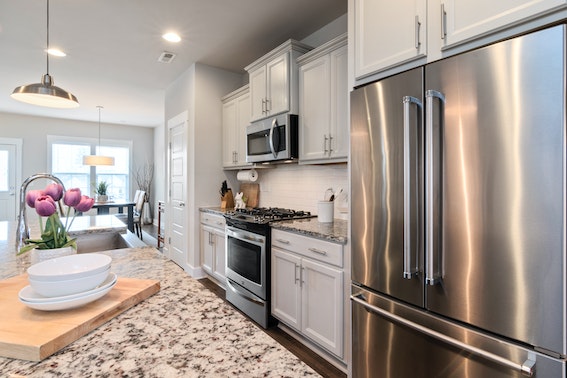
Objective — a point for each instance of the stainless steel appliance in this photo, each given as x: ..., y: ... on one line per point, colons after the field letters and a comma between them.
x: 272, y: 139
x: 459, y: 215
x: 248, y: 259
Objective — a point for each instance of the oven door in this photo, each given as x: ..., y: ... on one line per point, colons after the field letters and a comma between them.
x: 246, y: 260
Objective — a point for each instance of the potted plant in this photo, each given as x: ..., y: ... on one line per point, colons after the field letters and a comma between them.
x: 54, y: 240
x: 144, y: 176
x: 101, y: 191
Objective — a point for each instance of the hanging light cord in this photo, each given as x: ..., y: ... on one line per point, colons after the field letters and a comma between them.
x: 47, y: 55
x: 99, y: 107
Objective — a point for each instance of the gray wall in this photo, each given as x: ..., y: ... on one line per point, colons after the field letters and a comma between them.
x: 34, y: 131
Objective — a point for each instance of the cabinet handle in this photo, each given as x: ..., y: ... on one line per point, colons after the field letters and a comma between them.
x: 318, y: 251
x: 263, y: 106
x: 268, y: 105
x: 302, y: 275
x: 325, y: 143
x: 283, y: 241
x: 443, y: 21
x: 417, y: 27
x: 330, y: 144
x: 220, y: 223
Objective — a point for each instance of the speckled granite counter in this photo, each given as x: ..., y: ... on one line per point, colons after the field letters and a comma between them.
x: 336, y: 232
x: 184, y: 330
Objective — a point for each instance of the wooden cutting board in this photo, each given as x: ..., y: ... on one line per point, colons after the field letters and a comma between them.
x: 252, y: 192
x: 33, y: 335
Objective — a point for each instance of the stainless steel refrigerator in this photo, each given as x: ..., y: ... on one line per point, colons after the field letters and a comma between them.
x: 458, y: 183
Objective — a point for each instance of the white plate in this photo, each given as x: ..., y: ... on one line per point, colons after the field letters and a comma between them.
x: 70, y: 301
x: 28, y: 294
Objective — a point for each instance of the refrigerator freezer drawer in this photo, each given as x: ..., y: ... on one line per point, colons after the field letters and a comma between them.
x: 393, y: 340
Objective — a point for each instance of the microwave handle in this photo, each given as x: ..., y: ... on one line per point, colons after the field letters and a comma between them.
x: 274, y: 125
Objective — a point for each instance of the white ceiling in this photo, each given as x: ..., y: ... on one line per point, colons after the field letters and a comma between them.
x: 112, y: 47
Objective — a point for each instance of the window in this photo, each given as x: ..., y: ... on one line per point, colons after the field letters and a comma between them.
x: 67, y: 163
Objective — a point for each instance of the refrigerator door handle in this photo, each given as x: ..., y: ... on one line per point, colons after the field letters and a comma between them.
x: 432, y: 271
x: 527, y: 368
x: 410, y: 269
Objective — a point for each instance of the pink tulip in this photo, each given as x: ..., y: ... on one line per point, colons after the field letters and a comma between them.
x: 45, y: 206
x: 72, y: 197
x: 32, y: 195
x: 55, y: 191
x: 85, y: 205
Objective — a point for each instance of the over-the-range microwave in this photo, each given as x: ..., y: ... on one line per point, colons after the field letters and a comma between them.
x: 272, y: 139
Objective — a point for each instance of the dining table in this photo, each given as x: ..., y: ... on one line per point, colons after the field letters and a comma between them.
x: 103, y: 208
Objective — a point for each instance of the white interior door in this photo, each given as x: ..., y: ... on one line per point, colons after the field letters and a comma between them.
x: 177, y: 164
x: 10, y: 164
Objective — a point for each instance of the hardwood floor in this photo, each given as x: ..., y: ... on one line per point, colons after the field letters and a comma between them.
x: 305, y: 354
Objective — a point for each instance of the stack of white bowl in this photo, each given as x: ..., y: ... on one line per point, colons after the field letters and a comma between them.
x: 68, y: 281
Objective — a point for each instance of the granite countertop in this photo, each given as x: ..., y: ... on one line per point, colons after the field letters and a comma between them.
x: 336, y: 232
x: 214, y: 210
x: 184, y: 330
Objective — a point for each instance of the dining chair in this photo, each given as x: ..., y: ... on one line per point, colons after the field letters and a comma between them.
x: 138, y: 212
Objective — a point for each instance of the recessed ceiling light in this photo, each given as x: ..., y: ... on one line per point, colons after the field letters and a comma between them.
x: 55, y: 52
x: 171, y: 37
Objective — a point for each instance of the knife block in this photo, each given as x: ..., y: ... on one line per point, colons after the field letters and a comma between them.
x: 227, y: 201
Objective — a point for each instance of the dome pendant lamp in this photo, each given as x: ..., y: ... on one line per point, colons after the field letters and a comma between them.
x: 45, y: 93
x: 98, y: 159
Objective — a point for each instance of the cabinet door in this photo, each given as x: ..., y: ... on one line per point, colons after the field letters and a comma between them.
x: 207, y: 249
x: 322, y: 305
x: 219, y: 255
x: 464, y: 20
x: 229, y: 125
x: 388, y: 33
x: 243, y: 105
x: 278, y: 85
x: 315, y: 112
x: 339, y: 125
x: 286, y: 288
x: 257, y: 93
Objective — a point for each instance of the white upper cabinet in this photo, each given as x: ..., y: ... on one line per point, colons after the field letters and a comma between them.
x: 466, y: 20
x: 273, y: 81
x: 235, y: 119
x: 389, y: 37
x: 388, y: 33
x: 323, y: 103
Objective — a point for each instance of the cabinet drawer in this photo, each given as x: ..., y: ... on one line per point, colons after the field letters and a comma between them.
x: 213, y: 220
x: 330, y: 253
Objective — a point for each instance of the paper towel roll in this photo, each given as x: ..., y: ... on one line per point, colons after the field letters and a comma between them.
x: 247, y: 176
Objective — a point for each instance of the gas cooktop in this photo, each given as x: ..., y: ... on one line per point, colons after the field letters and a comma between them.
x: 264, y: 215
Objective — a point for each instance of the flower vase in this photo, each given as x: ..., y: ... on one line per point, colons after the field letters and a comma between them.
x: 102, y: 198
x: 39, y: 255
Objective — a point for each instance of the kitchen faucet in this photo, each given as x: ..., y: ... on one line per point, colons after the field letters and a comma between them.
x: 23, y: 232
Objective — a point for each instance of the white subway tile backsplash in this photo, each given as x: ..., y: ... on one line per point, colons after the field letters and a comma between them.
x: 299, y: 187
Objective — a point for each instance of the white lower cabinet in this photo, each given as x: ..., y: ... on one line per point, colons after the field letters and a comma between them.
x: 213, y: 255
x: 307, y: 288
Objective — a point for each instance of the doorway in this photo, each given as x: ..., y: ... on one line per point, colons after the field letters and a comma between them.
x: 10, y: 176
x: 177, y: 190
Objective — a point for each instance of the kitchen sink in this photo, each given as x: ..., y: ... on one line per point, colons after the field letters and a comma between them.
x: 96, y: 242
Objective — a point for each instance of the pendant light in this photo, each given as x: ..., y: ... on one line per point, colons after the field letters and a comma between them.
x: 45, y: 93
x: 98, y: 159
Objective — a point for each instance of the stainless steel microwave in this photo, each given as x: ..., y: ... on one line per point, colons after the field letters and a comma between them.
x: 272, y: 139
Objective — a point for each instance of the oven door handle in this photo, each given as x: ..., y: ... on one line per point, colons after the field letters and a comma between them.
x: 244, y: 236
x: 243, y: 294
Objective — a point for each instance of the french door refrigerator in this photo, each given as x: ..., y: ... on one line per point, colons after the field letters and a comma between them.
x: 458, y: 184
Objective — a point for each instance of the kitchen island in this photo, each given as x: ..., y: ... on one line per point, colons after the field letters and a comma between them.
x: 183, y: 330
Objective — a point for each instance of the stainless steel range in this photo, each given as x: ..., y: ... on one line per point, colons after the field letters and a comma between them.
x: 248, y: 258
